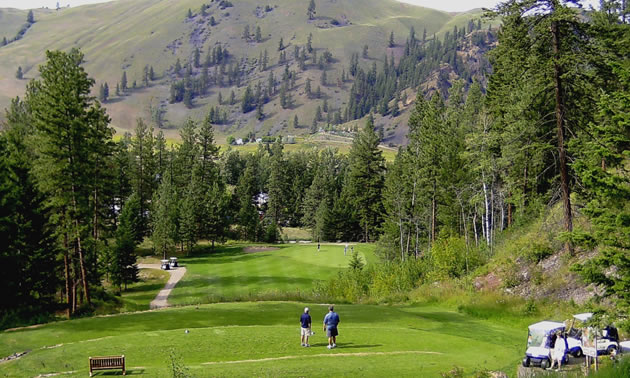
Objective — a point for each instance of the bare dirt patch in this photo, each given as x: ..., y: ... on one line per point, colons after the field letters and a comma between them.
x: 258, y: 249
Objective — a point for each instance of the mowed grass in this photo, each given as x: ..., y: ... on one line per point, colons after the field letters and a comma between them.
x: 253, y: 273
x: 262, y: 339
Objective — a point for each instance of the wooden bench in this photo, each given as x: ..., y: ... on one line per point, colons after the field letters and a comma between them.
x: 107, y: 363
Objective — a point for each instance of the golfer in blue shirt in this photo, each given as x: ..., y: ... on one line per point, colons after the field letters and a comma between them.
x: 331, y: 320
x: 305, y: 321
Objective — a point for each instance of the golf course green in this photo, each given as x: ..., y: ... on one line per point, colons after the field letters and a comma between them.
x: 261, y: 338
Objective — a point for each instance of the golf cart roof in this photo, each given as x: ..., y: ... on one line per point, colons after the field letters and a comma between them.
x: 546, y: 326
x: 583, y: 317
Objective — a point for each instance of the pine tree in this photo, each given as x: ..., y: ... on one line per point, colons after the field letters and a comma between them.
x: 123, y: 82
x: 310, y: 11
x: 197, y: 57
x: 19, y: 75
x: 143, y: 167
x: 392, y: 43
x: 3, y: 42
x: 123, y: 268
x: 72, y: 135
x: 366, y: 180
x: 189, y: 14
x: 309, y: 43
x: 258, y: 34
x: 281, y: 44
x: 247, y: 217
x: 164, y: 217
x: 277, y: 183
x: 189, y: 213
x: 602, y: 151
x: 307, y: 87
x: 318, y: 113
x: 27, y: 242
x: 30, y: 18
x: 246, y: 34
x: 296, y: 123
x: 248, y: 101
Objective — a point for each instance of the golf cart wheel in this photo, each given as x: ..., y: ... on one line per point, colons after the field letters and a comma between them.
x: 544, y: 364
x: 526, y: 362
x: 578, y: 353
x: 611, y: 349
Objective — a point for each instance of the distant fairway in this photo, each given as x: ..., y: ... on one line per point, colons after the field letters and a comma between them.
x: 235, y: 274
x: 262, y: 339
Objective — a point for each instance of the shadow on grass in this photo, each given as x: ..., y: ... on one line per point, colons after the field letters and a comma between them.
x: 352, y: 346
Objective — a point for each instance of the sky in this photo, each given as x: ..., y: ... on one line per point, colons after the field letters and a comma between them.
x: 445, y: 5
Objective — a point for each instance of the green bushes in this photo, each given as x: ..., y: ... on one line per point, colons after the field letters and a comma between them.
x: 387, y: 282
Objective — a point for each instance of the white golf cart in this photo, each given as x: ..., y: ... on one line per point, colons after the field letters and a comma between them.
x: 607, y: 339
x: 540, y: 341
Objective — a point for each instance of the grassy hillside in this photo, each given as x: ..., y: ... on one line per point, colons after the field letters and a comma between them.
x: 127, y: 35
x: 10, y: 22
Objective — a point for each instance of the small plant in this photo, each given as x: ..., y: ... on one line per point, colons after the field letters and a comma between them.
x: 455, y: 372
x: 176, y: 366
x: 539, y: 252
x: 356, y: 263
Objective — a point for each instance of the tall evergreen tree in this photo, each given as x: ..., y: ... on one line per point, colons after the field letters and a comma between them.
x: 366, y: 180
x: 69, y: 127
x: 310, y: 11
x: 27, y: 242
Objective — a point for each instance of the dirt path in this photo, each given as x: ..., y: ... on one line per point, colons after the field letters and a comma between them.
x: 360, y: 354
x: 160, y: 300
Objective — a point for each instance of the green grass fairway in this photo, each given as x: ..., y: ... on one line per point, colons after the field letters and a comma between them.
x: 262, y: 339
x: 238, y: 273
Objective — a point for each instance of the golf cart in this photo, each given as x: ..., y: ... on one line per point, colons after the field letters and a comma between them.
x: 165, y: 265
x: 607, y: 339
x: 540, y: 341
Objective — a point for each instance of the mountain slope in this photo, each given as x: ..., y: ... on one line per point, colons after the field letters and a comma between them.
x: 128, y: 35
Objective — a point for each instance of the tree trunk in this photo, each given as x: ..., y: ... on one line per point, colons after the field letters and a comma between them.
x: 525, y: 184
x: 509, y: 220
x: 433, y: 211
x: 564, y: 174
x: 66, y: 266
x: 486, y: 216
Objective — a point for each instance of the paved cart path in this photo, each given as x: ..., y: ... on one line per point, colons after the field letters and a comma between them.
x: 160, y: 300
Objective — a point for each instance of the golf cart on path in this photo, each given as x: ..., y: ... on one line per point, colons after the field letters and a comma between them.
x: 607, y: 339
x: 540, y: 341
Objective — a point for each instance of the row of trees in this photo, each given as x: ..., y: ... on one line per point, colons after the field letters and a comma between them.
x: 552, y: 127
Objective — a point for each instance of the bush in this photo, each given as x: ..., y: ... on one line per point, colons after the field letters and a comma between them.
x: 539, y: 251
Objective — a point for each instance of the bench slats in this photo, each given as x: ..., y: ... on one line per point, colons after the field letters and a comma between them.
x: 107, y: 363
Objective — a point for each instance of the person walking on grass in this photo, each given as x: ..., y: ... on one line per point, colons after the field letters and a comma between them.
x: 305, y: 321
x: 331, y: 320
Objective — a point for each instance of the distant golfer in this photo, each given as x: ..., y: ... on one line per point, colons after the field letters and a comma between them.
x: 305, y: 320
x: 317, y: 245
x: 331, y: 320
x: 345, y: 249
